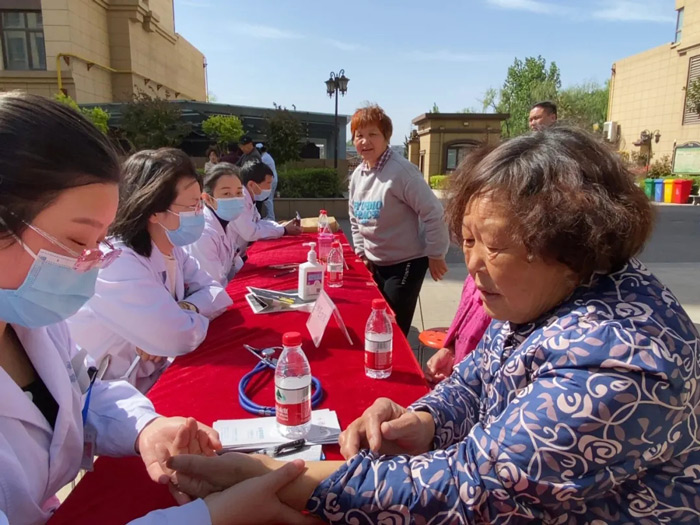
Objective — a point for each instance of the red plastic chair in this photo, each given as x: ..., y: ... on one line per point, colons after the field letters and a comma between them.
x: 432, y: 338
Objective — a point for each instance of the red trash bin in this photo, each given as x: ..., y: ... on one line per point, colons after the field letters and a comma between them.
x: 681, y: 190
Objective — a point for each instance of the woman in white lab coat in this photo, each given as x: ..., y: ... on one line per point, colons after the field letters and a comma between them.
x: 257, y: 180
x: 154, y: 302
x: 59, y: 179
x: 217, y: 249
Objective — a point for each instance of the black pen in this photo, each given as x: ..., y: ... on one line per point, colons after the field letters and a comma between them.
x: 284, y: 448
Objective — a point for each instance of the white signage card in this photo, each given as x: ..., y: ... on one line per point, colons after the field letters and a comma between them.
x: 319, y: 317
x: 322, y: 312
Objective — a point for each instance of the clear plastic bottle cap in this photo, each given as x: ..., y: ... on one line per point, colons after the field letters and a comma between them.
x: 322, y: 211
x: 378, y: 304
x: 291, y: 339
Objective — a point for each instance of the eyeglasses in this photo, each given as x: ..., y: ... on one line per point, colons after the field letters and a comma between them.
x: 88, y: 260
x: 196, y: 208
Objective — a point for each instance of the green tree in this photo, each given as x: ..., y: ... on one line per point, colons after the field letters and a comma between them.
x: 223, y: 129
x: 151, y: 123
x: 435, y: 108
x: 284, y: 133
x: 584, y: 105
x: 98, y: 116
x: 526, y: 82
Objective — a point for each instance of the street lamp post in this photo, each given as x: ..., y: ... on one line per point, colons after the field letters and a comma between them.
x: 336, y: 82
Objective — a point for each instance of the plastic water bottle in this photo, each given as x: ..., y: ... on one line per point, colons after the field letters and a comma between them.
x: 334, y: 267
x: 378, y: 342
x: 322, y: 221
x: 325, y: 237
x: 293, y: 389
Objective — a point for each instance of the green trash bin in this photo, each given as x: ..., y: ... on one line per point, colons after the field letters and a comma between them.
x: 649, y: 188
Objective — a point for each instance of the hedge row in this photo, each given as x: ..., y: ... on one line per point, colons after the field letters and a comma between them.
x: 305, y: 183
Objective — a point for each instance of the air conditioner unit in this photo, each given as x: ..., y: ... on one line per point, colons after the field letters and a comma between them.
x: 610, y: 131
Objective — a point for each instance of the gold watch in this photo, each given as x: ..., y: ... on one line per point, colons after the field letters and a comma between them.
x: 185, y: 305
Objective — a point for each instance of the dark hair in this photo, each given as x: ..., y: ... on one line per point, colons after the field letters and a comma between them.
x: 212, y: 149
x: 573, y: 198
x: 45, y: 148
x: 548, y: 106
x: 256, y: 171
x: 150, y: 180
x: 218, y: 171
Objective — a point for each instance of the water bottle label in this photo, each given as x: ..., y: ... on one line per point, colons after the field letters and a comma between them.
x: 378, y: 360
x: 378, y: 355
x: 293, y: 405
x: 335, y: 273
x: 377, y: 346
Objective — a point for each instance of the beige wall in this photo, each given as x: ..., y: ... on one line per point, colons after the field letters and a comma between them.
x: 435, y: 135
x: 136, y: 36
x: 648, y: 89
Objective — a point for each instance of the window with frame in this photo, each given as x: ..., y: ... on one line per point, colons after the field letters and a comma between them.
x: 679, y: 25
x: 22, y: 37
x: 456, y: 154
x: 690, y: 111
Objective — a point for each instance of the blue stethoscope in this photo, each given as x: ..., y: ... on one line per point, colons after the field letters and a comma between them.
x: 267, y: 361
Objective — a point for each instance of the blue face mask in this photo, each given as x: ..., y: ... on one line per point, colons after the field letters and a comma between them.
x: 190, y: 229
x: 229, y: 209
x: 264, y: 194
x: 52, y: 291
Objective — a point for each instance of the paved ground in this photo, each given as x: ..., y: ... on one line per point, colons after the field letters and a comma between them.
x: 673, y: 254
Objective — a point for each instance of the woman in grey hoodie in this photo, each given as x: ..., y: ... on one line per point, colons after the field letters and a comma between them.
x: 397, y: 223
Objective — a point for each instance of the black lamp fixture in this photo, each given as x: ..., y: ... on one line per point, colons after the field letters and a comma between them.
x: 337, y: 82
x: 645, y: 136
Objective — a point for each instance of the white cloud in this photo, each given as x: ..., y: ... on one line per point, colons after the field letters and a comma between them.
x: 636, y: 11
x: 533, y: 6
x: 444, y: 55
x: 260, y: 31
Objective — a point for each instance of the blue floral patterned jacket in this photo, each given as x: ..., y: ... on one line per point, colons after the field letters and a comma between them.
x: 590, y: 414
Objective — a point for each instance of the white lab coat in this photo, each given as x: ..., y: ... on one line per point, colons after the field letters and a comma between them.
x: 250, y: 227
x: 36, y: 460
x: 133, y: 307
x: 270, y: 202
x: 216, y: 250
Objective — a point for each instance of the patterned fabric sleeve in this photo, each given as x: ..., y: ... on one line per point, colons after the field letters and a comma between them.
x: 454, y: 403
x: 598, y: 408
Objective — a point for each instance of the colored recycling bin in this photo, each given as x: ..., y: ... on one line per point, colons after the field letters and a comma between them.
x: 668, y: 190
x: 649, y: 188
x: 658, y: 190
x: 681, y: 190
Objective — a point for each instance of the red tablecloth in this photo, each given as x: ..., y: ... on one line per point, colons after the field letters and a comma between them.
x: 204, y: 384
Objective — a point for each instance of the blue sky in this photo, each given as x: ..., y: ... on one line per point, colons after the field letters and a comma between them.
x: 403, y: 55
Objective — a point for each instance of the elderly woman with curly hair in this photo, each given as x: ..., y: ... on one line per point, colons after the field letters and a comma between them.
x: 581, y: 402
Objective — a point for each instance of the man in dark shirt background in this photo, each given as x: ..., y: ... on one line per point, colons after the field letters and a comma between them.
x: 250, y: 152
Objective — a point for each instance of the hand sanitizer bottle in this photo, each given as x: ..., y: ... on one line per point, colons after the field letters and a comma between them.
x: 310, y: 276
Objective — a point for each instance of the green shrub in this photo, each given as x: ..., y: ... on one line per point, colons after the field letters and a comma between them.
x: 660, y: 168
x: 308, y: 183
x: 439, y: 182
x: 98, y: 116
x: 223, y: 129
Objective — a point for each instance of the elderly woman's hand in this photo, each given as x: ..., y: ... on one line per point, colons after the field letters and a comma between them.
x: 439, y: 366
x: 388, y: 428
x: 437, y: 267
